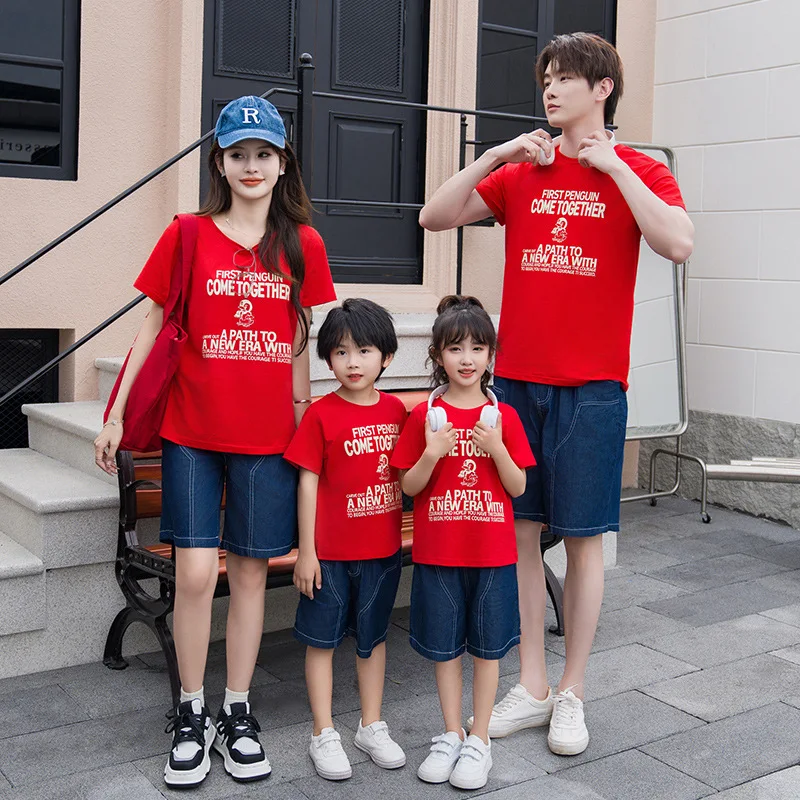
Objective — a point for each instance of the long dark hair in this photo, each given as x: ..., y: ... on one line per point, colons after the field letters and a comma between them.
x: 289, y: 208
x: 459, y: 316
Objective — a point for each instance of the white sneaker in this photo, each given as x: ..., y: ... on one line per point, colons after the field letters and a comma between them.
x: 474, y: 763
x: 517, y: 710
x: 445, y: 750
x: 330, y: 760
x: 568, y: 734
x: 374, y: 740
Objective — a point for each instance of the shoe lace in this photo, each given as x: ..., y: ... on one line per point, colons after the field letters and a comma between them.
x: 238, y: 726
x: 187, y: 727
x: 510, y: 701
x: 565, y: 709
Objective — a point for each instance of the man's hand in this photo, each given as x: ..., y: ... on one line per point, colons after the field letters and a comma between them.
x: 307, y: 574
x: 526, y: 147
x: 597, y: 151
x: 489, y: 439
x: 441, y: 442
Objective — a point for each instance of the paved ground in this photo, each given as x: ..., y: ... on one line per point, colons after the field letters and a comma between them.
x: 693, y: 690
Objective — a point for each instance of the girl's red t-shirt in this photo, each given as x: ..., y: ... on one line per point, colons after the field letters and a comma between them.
x: 463, y: 517
x: 232, y: 391
x: 359, y: 502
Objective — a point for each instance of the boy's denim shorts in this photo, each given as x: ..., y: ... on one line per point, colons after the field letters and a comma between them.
x: 260, y: 501
x: 356, y: 599
x: 464, y: 608
x: 577, y: 434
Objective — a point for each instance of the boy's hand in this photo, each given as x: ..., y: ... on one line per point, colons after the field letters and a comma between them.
x: 490, y: 440
x: 525, y: 147
x: 597, y: 151
x: 307, y: 574
x: 440, y: 443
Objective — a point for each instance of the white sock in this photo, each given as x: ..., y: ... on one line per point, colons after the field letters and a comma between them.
x: 198, y: 695
x: 245, y: 746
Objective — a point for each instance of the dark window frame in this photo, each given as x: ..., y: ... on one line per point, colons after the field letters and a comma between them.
x: 69, y: 65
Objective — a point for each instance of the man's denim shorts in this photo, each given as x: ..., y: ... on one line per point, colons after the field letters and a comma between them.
x: 356, y: 599
x: 577, y: 434
x: 260, y: 501
x: 464, y: 608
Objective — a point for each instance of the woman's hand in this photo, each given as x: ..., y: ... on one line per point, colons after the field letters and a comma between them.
x: 105, y: 447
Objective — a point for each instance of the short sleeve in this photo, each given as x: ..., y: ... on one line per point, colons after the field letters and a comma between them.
x: 155, y: 277
x: 307, y: 448
x: 317, y: 285
x: 411, y: 444
x: 514, y: 438
x: 655, y: 175
x: 493, y: 192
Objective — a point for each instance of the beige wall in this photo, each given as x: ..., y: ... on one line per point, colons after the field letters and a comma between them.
x: 139, y: 102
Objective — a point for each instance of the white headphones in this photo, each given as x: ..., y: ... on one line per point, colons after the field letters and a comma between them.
x: 546, y: 162
x: 438, y: 418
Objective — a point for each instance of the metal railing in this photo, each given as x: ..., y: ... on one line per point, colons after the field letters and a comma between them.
x: 303, y: 142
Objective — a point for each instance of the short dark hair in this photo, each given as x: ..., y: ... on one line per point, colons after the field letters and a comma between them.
x: 588, y: 56
x: 460, y: 316
x: 365, y: 322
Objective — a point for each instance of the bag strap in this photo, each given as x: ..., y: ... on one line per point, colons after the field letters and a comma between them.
x: 182, y: 269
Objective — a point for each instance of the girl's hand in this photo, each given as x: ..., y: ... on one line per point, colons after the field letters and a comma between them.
x: 307, y: 574
x: 440, y: 443
x: 490, y: 440
x: 105, y: 448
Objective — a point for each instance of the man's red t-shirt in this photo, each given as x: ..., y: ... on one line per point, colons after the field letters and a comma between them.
x: 572, y: 250
x: 232, y: 391
x: 359, y: 502
x: 463, y: 517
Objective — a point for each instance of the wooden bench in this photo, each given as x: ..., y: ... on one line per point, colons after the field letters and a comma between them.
x: 139, y: 476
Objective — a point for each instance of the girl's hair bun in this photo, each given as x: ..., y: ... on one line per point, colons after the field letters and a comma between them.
x: 456, y: 300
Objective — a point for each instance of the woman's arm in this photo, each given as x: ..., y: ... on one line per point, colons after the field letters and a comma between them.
x: 301, y: 379
x: 107, y: 441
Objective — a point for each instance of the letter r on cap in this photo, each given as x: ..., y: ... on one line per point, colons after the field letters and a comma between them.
x: 251, y: 112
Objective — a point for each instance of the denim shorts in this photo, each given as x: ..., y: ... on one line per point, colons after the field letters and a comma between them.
x: 260, y: 501
x: 577, y: 434
x: 356, y: 599
x: 464, y: 608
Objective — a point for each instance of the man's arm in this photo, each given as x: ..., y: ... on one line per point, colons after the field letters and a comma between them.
x: 456, y: 202
x: 667, y: 229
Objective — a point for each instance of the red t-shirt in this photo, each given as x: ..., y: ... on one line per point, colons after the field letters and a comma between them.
x: 359, y: 502
x: 572, y: 250
x: 463, y: 517
x: 232, y: 391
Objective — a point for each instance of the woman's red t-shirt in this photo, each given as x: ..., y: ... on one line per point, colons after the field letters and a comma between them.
x: 232, y: 391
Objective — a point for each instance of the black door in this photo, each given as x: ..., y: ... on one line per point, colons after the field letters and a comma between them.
x: 362, y: 151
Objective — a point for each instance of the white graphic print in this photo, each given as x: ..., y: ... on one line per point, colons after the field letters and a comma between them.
x: 250, y: 116
x: 468, y: 474
x: 560, y: 230
x: 383, y: 467
x: 244, y: 314
x: 235, y: 344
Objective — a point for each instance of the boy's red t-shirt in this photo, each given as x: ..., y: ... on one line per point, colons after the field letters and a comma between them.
x: 463, y: 517
x: 232, y: 391
x: 359, y: 502
x: 571, y: 254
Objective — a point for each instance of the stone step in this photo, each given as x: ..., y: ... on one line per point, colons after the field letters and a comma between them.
x: 66, y: 432
x: 109, y: 369
x: 23, y: 604
x: 60, y: 514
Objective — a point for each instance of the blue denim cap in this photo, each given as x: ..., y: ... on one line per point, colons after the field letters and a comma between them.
x: 250, y: 118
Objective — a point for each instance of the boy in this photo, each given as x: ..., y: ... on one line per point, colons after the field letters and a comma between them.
x: 573, y: 228
x: 350, y: 516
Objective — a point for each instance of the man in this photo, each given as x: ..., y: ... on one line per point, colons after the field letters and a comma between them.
x: 574, y: 210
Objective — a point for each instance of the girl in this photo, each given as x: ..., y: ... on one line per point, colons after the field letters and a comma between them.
x: 240, y: 389
x: 462, y: 460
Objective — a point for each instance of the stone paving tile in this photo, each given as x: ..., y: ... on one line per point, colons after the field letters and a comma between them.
x: 708, y: 544
x: 667, y: 507
x: 635, y: 776
x: 275, y: 791
x: 730, y: 752
x: 786, y: 582
x: 626, y: 626
x: 632, y: 556
x: 706, y: 573
x: 636, y: 590
x: 724, y: 602
x: 724, y: 519
x: 788, y: 555
x: 615, y: 724
x: 787, y: 614
x: 783, y: 785
x: 33, y: 710
x: 728, y: 689
x: 727, y: 641
x: 121, y: 782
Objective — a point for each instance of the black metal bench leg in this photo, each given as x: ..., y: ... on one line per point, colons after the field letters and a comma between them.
x: 112, y: 656
x: 556, y: 597
x: 167, y: 643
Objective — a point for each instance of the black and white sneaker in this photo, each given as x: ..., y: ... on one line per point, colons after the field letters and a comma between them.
x: 192, y: 737
x: 237, y: 742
